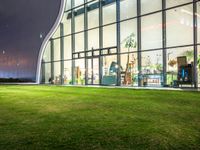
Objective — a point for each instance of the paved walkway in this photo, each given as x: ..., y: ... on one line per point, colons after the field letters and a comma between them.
x: 143, y: 88
x: 118, y: 87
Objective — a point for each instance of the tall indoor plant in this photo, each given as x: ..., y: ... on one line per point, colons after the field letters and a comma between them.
x: 129, y: 42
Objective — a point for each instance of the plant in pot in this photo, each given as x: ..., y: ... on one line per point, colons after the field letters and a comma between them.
x: 172, y: 63
x: 129, y: 42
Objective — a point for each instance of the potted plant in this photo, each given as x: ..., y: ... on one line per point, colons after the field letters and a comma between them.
x: 172, y: 63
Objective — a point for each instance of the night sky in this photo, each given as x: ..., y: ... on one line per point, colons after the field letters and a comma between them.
x: 21, y: 22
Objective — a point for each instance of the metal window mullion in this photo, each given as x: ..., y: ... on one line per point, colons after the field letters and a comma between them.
x: 118, y: 42
x: 139, y: 41
x: 195, y: 43
x: 73, y: 41
x: 62, y: 52
x: 164, y: 42
x: 86, y: 40
x: 100, y: 40
x: 43, y: 64
x: 52, y: 59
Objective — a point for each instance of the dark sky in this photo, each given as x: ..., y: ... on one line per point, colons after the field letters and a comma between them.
x: 21, y: 22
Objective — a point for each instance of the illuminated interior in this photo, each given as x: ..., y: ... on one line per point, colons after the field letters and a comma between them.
x: 125, y: 43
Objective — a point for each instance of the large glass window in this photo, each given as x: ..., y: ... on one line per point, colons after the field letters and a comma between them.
x: 78, y: 2
x: 151, y: 31
x: 198, y: 21
x: 109, y: 13
x: 67, y: 48
x: 79, y: 71
x: 46, y: 71
x: 180, y: 66
x: 79, y: 42
x: 109, y: 36
x: 109, y: 69
x: 67, y: 72
x: 93, y: 39
x: 128, y: 9
x: 47, y: 53
x: 148, y: 6
x: 129, y: 36
x: 57, y: 33
x: 152, y: 66
x: 179, y: 26
x: 57, y: 74
x: 56, y: 49
x: 93, y: 17
x: 198, y: 66
x: 93, y: 71
x: 79, y: 23
x: 67, y: 23
x: 68, y: 5
x: 102, y: 64
x: 129, y: 69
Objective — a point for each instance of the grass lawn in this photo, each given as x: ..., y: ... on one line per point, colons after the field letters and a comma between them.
x: 50, y: 117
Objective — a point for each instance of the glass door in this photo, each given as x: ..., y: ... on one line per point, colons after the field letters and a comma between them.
x: 93, y: 71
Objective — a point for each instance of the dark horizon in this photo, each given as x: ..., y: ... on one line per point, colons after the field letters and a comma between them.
x: 21, y: 23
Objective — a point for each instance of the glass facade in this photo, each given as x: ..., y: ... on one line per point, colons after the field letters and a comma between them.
x: 125, y: 43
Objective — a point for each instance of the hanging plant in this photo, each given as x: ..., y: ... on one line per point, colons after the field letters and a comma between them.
x: 172, y: 63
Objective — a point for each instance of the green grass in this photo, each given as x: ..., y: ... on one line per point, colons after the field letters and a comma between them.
x: 50, y: 117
